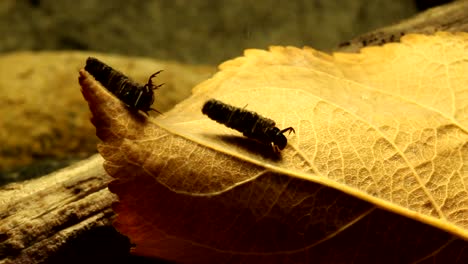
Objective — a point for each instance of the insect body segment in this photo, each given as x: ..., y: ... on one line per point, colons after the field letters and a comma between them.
x: 251, y: 124
x: 134, y: 95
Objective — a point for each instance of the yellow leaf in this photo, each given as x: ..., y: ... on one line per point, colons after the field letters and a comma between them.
x: 380, y: 150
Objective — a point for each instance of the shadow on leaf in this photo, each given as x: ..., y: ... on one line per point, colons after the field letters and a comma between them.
x: 249, y: 145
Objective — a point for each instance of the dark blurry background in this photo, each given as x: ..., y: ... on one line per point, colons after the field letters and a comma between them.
x: 192, y: 31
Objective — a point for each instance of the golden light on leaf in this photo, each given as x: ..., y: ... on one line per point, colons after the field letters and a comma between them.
x: 376, y: 172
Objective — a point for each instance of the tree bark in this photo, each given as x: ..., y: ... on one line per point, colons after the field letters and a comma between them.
x: 451, y: 17
x: 40, y: 218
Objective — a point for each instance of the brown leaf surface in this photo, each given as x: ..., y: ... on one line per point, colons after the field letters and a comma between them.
x: 376, y: 172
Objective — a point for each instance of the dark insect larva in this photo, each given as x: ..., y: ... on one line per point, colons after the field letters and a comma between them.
x: 251, y: 124
x: 134, y: 95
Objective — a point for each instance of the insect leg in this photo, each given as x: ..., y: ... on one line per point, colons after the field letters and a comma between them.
x: 150, y: 81
x: 154, y: 74
x: 155, y: 111
x: 276, y: 149
x: 289, y: 129
x: 157, y: 86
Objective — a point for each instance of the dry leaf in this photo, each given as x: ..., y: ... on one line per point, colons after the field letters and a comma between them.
x: 376, y: 172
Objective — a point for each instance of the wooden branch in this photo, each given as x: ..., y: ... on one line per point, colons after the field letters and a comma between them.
x: 40, y: 217
x: 451, y: 17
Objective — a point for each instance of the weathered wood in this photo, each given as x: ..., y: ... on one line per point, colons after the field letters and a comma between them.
x: 37, y: 217
x: 451, y: 17
x: 41, y: 216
